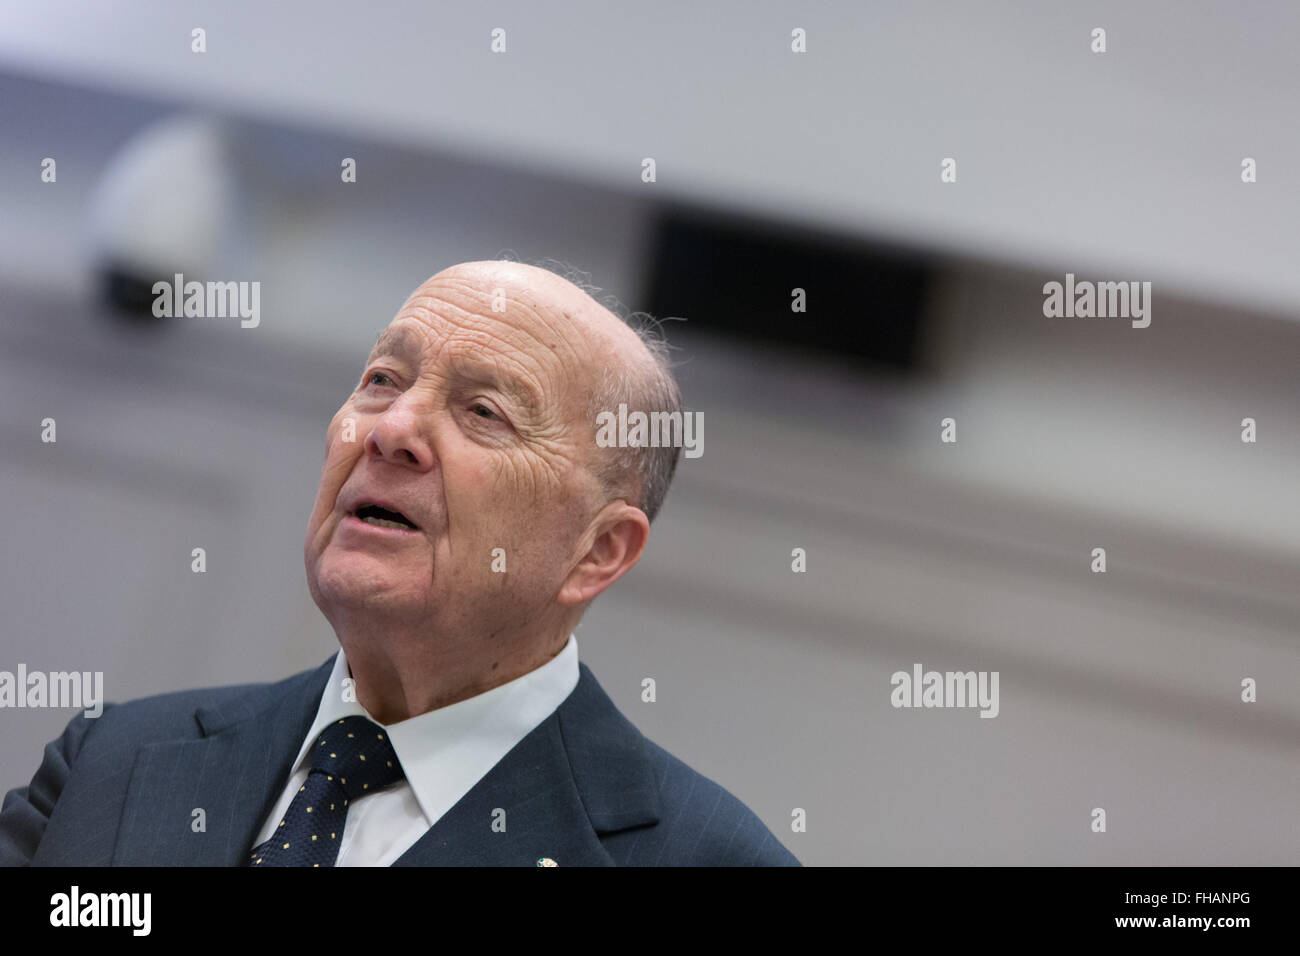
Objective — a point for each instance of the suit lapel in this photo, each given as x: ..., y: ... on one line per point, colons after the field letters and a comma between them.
x: 234, y: 773
x: 581, y: 773
x: 532, y: 794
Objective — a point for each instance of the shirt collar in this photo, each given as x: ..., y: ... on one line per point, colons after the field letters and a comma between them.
x: 446, y: 751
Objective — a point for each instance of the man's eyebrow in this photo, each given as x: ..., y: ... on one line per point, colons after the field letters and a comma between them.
x: 477, y: 373
x: 404, y: 344
x: 399, y: 342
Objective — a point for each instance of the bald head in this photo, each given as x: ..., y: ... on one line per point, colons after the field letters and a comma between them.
x: 554, y: 305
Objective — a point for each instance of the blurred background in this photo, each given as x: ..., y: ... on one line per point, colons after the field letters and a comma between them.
x: 774, y: 170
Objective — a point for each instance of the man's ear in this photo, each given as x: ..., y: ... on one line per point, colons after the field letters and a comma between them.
x: 620, y: 534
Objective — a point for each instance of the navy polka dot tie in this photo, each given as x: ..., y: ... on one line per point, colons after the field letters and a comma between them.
x: 351, y: 758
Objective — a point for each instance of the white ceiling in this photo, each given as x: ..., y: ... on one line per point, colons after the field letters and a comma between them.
x: 1124, y: 165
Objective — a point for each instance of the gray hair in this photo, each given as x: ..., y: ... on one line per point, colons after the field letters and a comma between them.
x: 642, y: 474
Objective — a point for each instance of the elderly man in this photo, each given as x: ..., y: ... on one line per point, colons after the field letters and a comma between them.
x: 465, y: 520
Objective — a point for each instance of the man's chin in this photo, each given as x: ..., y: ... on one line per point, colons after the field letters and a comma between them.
x: 370, y: 582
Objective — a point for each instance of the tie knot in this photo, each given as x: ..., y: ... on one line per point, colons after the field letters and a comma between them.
x: 357, y: 754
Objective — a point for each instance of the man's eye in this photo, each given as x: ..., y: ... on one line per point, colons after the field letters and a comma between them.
x: 482, y: 411
x: 370, y: 379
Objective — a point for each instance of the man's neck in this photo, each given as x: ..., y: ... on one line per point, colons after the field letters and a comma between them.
x: 398, y: 679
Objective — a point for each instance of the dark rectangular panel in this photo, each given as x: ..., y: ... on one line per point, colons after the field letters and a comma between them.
x: 864, y: 303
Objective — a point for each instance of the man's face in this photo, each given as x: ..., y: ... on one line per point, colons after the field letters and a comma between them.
x: 472, y: 425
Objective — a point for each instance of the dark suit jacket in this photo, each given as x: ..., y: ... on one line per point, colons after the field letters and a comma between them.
x: 583, y: 788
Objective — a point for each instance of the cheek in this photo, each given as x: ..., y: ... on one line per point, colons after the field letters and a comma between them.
x: 340, y: 457
x: 498, y: 501
x: 535, y: 480
x: 547, y: 504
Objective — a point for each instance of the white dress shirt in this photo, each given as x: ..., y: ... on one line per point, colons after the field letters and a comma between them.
x: 444, y: 753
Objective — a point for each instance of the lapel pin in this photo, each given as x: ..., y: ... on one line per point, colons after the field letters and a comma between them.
x: 546, y: 861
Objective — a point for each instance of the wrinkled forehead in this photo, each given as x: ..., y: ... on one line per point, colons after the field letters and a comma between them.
x: 538, y: 340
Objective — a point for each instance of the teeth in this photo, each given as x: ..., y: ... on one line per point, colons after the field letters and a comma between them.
x: 384, y: 523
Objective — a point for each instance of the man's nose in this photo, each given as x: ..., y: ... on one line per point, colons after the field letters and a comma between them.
x: 398, y: 436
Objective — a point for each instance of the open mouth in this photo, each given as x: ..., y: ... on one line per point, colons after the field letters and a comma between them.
x: 384, y: 518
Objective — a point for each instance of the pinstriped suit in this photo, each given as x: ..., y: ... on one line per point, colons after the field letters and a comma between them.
x: 585, y: 787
